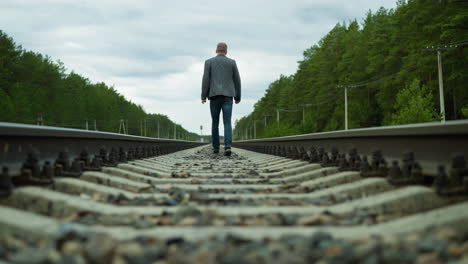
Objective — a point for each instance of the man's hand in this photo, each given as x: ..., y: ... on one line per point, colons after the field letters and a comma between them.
x: 237, y: 102
x: 203, y: 101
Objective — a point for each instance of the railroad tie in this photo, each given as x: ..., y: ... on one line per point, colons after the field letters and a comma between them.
x: 197, y: 206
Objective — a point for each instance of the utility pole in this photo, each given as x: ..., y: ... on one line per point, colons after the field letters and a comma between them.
x: 265, y: 119
x: 277, y: 115
x: 303, y: 114
x: 439, y: 50
x: 141, y: 128
x: 441, y: 86
x: 122, y: 127
x: 303, y: 111
x: 40, y: 120
x: 201, y: 133
x: 255, y: 128
x: 346, y: 106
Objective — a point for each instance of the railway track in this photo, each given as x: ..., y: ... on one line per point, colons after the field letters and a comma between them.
x: 388, y: 195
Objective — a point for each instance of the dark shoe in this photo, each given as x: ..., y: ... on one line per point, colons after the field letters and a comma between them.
x: 227, y: 153
x: 215, y: 151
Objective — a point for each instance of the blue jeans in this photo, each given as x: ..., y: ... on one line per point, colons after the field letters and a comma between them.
x: 218, y: 103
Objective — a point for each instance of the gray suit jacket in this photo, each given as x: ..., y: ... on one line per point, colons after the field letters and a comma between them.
x: 221, y: 77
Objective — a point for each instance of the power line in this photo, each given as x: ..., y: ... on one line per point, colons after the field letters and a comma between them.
x: 456, y: 44
x: 324, y: 101
x: 440, y: 47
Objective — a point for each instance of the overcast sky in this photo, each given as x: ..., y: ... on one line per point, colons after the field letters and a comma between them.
x: 153, y: 51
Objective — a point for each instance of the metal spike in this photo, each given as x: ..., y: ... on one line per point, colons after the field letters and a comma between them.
x: 6, y: 185
x: 47, y: 171
x: 441, y: 180
x: 365, y: 167
x: 343, y: 163
x: 394, y: 173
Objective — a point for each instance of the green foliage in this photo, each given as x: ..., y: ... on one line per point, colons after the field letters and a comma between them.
x: 465, y: 111
x: 33, y: 86
x: 384, y: 53
x: 414, y: 104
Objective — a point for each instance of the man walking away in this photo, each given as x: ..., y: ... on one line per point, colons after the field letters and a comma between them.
x: 221, y: 83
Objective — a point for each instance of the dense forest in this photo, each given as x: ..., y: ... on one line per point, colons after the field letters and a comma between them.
x: 36, y: 90
x: 390, y: 74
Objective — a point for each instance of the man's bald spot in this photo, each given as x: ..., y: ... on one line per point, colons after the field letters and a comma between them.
x: 221, y: 48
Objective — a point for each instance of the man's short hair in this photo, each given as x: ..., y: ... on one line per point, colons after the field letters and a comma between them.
x: 221, y: 47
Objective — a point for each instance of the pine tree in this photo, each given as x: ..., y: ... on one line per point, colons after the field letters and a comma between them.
x: 414, y: 104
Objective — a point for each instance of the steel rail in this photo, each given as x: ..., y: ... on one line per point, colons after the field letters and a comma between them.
x: 38, y: 148
x: 429, y: 144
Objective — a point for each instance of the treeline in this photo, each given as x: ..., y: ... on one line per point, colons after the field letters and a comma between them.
x: 36, y: 90
x: 392, y: 77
